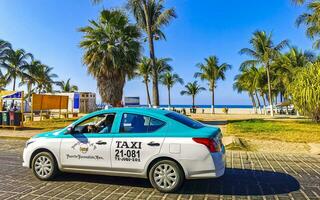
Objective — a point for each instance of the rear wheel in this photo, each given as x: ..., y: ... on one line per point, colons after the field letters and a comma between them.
x: 44, y: 166
x: 166, y: 176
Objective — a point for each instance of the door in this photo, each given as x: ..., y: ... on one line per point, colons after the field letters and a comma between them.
x: 138, y: 140
x: 88, y: 144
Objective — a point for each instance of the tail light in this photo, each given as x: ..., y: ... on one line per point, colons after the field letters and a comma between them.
x: 209, y: 143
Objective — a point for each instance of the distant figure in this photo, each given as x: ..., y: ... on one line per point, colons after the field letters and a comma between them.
x: 107, y: 124
x: 4, y: 106
x: 11, y: 106
x: 184, y: 111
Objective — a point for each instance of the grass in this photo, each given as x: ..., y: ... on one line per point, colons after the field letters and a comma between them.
x: 48, y: 125
x: 14, y: 138
x: 301, y: 131
x: 240, y: 145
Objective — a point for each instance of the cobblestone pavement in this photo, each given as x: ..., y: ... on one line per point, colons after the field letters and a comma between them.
x: 248, y: 176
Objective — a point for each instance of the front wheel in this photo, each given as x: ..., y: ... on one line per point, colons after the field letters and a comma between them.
x: 166, y: 176
x: 44, y: 166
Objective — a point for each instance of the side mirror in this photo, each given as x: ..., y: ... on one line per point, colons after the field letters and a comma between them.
x: 69, y: 130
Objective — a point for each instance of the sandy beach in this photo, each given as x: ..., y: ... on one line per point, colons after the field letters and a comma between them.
x: 218, y: 110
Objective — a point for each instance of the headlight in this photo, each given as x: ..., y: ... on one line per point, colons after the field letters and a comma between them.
x: 29, y: 142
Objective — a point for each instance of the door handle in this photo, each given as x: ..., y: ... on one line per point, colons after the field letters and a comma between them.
x: 101, y: 143
x: 153, y: 144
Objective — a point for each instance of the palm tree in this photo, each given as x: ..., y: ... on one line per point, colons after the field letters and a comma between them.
x: 285, y: 66
x: 67, y: 86
x: 312, y: 21
x: 3, y: 81
x: 15, y: 62
x: 305, y: 91
x: 162, y: 65
x: 4, y: 47
x: 261, y: 84
x: 264, y: 52
x: 246, y: 81
x: 144, y: 70
x: 111, y: 52
x: 192, y: 89
x: 31, y: 75
x: 212, y: 71
x: 169, y: 80
x: 253, y: 80
x: 151, y: 16
x: 45, y: 78
x: 298, y: 2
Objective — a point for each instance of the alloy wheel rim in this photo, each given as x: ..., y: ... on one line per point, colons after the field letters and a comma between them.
x: 43, y: 166
x: 165, y: 176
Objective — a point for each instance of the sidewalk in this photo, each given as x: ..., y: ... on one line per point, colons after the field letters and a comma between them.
x: 18, y: 134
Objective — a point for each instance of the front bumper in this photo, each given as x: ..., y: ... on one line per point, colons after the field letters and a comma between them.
x: 26, y: 156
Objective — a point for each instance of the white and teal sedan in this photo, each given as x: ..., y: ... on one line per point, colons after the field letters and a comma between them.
x: 163, y: 146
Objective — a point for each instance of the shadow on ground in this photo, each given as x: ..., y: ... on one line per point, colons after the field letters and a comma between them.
x: 234, y: 182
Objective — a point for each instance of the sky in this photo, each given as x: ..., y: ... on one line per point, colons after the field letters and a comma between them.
x: 48, y: 30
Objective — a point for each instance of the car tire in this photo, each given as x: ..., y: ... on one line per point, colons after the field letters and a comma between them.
x: 44, y: 166
x: 166, y: 176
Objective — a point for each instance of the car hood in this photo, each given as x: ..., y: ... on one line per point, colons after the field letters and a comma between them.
x: 49, y: 134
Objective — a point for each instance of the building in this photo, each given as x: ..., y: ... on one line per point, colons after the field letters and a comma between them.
x: 80, y: 102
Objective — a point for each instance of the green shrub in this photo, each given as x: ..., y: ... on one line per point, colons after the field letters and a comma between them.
x: 305, y: 91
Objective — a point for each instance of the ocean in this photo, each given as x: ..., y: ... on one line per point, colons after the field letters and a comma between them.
x: 209, y: 106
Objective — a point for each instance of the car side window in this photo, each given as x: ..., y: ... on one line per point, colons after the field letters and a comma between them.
x: 134, y: 123
x: 155, y: 124
x: 97, y: 124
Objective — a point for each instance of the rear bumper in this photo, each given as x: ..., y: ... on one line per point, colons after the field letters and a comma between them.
x: 208, y: 174
x: 214, y: 171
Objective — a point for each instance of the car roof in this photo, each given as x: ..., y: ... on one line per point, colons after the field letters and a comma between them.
x: 150, y: 111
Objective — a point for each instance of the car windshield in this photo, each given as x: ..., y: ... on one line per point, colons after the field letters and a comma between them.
x: 185, y: 120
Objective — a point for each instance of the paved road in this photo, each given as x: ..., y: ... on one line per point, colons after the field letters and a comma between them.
x: 248, y: 176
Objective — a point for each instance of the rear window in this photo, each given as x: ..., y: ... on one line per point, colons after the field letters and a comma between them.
x: 185, y: 120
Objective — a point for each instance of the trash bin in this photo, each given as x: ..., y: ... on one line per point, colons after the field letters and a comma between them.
x: 5, y: 119
x: 11, y: 117
x: 15, y: 118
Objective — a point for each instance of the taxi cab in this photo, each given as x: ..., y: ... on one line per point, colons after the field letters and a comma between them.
x: 163, y: 146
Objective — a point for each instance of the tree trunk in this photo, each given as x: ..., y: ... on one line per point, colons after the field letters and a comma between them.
x: 155, y: 89
x: 212, y: 105
x: 14, y: 84
x: 111, y: 86
x: 269, y: 90
x: 169, y: 97
x: 264, y: 103
x: 253, y: 102
x: 193, y: 101
x: 29, y: 92
x: 258, y: 100
x: 148, y: 93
